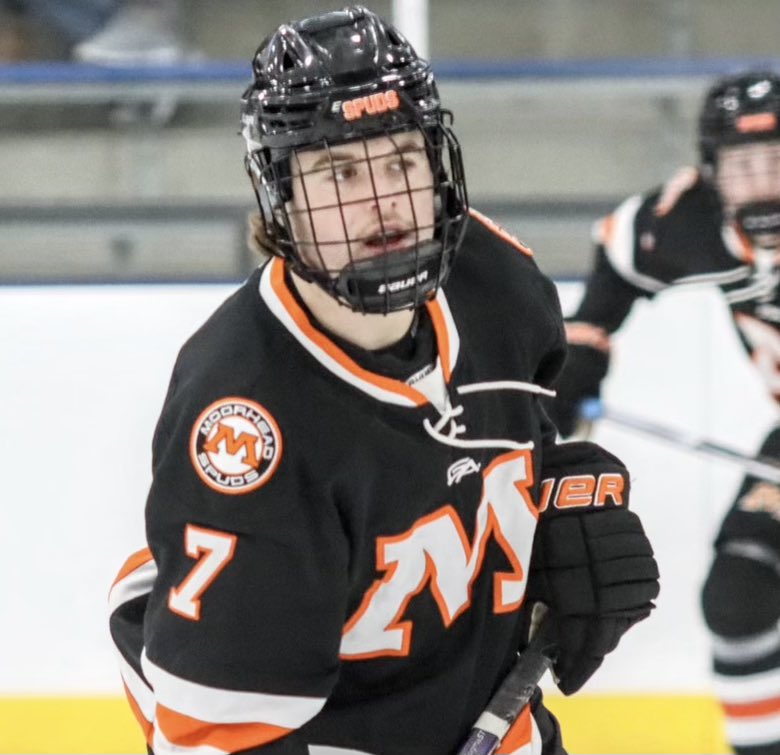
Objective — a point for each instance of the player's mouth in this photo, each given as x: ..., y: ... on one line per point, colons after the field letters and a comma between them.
x: 390, y: 239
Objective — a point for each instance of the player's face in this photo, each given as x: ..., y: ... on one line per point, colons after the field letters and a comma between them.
x: 362, y: 199
x: 748, y: 174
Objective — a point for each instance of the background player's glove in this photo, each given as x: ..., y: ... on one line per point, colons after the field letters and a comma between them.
x: 583, y: 371
x: 592, y: 564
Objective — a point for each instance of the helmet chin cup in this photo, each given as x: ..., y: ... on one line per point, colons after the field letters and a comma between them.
x: 760, y: 222
x: 393, y: 281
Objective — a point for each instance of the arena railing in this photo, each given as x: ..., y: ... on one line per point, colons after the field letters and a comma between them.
x: 560, y: 222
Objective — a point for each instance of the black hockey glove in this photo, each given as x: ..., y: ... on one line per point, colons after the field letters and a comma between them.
x: 583, y: 371
x: 592, y: 564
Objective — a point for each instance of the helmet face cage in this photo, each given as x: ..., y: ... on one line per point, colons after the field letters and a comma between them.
x: 369, y: 112
x: 400, y: 255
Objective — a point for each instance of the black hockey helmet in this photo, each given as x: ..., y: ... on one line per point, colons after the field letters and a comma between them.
x: 739, y: 109
x: 334, y: 78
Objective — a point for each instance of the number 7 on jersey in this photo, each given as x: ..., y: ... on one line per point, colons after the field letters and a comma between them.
x: 214, y: 550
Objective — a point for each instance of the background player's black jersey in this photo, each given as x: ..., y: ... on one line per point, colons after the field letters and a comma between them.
x: 338, y: 558
x: 675, y: 235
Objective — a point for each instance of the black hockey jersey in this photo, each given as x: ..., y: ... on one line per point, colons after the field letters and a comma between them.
x: 675, y: 235
x: 337, y: 559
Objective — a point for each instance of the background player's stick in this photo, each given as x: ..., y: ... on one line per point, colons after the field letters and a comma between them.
x: 762, y: 467
x: 512, y: 696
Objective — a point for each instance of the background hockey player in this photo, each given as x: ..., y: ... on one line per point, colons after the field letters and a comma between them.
x: 719, y: 222
x: 352, y: 457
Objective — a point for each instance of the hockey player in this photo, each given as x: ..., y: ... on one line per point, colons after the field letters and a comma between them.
x: 719, y: 222
x: 352, y: 464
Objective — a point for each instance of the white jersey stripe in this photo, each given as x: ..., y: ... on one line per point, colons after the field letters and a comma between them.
x: 162, y: 746
x: 452, y: 336
x: 620, y: 248
x: 744, y: 732
x: 138, y: 582
x: 747, y: 689
x: 746, y: 650
x: 721, y: 279
x: 223, y: 706
x: 536, y: 737
x: 138, y: 688
x: 761, y: 287
x: 620, y: 252
x: 434, y: 388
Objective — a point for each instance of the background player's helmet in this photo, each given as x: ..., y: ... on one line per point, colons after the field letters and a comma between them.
x: 744, y: 110
x: 739, y: 109
x: 309, y: 76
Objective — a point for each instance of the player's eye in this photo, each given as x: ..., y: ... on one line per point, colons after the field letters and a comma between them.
x: 402, y: 165
x: 343, y: 172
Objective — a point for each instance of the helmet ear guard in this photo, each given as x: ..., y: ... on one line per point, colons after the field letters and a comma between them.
x: 342, y: 77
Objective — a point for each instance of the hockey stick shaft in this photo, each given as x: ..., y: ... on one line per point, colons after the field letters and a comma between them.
x: 762, y: 467
x: 511, y: 697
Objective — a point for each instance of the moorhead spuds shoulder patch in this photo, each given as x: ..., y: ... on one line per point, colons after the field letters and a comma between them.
x: 235, y: 445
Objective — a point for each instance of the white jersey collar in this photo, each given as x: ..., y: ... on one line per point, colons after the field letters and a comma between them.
x: 280, y: 300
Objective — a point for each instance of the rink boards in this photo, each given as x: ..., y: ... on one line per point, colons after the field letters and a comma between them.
x: 86, y: 368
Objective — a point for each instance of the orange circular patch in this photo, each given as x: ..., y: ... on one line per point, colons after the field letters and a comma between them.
x: 235, y: 445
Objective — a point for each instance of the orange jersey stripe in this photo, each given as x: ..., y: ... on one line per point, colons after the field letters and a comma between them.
x: 146, y: 726
x: 752, y: 710
x: 139, y: 558
x: 606, y: 231
x: 330, y: 348
x: 747, y: 250
x: 585, y: 334
x: 683, y: 180
x: 191, y: 732
x: 500, y: 232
